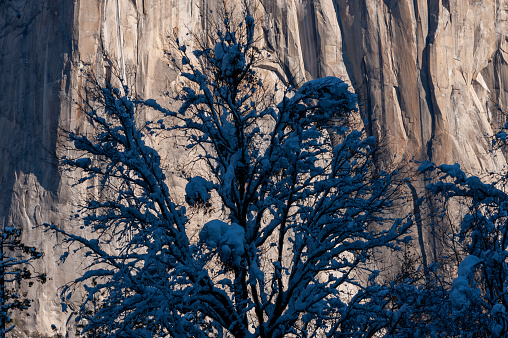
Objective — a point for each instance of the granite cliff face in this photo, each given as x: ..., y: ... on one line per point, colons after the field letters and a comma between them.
x: 430, y: 75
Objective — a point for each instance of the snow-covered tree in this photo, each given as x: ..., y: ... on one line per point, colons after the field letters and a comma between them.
x: 15, y: 259
x: 304, y: 206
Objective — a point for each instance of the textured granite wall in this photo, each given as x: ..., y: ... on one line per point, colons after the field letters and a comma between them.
x: 429, y: 75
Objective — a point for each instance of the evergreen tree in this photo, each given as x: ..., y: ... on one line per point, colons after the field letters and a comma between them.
x: 15, y: 257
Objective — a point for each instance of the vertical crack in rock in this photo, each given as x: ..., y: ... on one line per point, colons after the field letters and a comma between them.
x: 120, y: 40
x: 426, y: 78
x: 309, y: 39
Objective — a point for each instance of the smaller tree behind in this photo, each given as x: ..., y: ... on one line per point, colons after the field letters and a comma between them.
x: 478, y: 297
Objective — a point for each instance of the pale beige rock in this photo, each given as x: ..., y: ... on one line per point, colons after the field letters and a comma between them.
x: 428, y: 75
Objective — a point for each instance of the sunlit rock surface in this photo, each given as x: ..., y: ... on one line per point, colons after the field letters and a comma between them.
x: 430, y: 76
